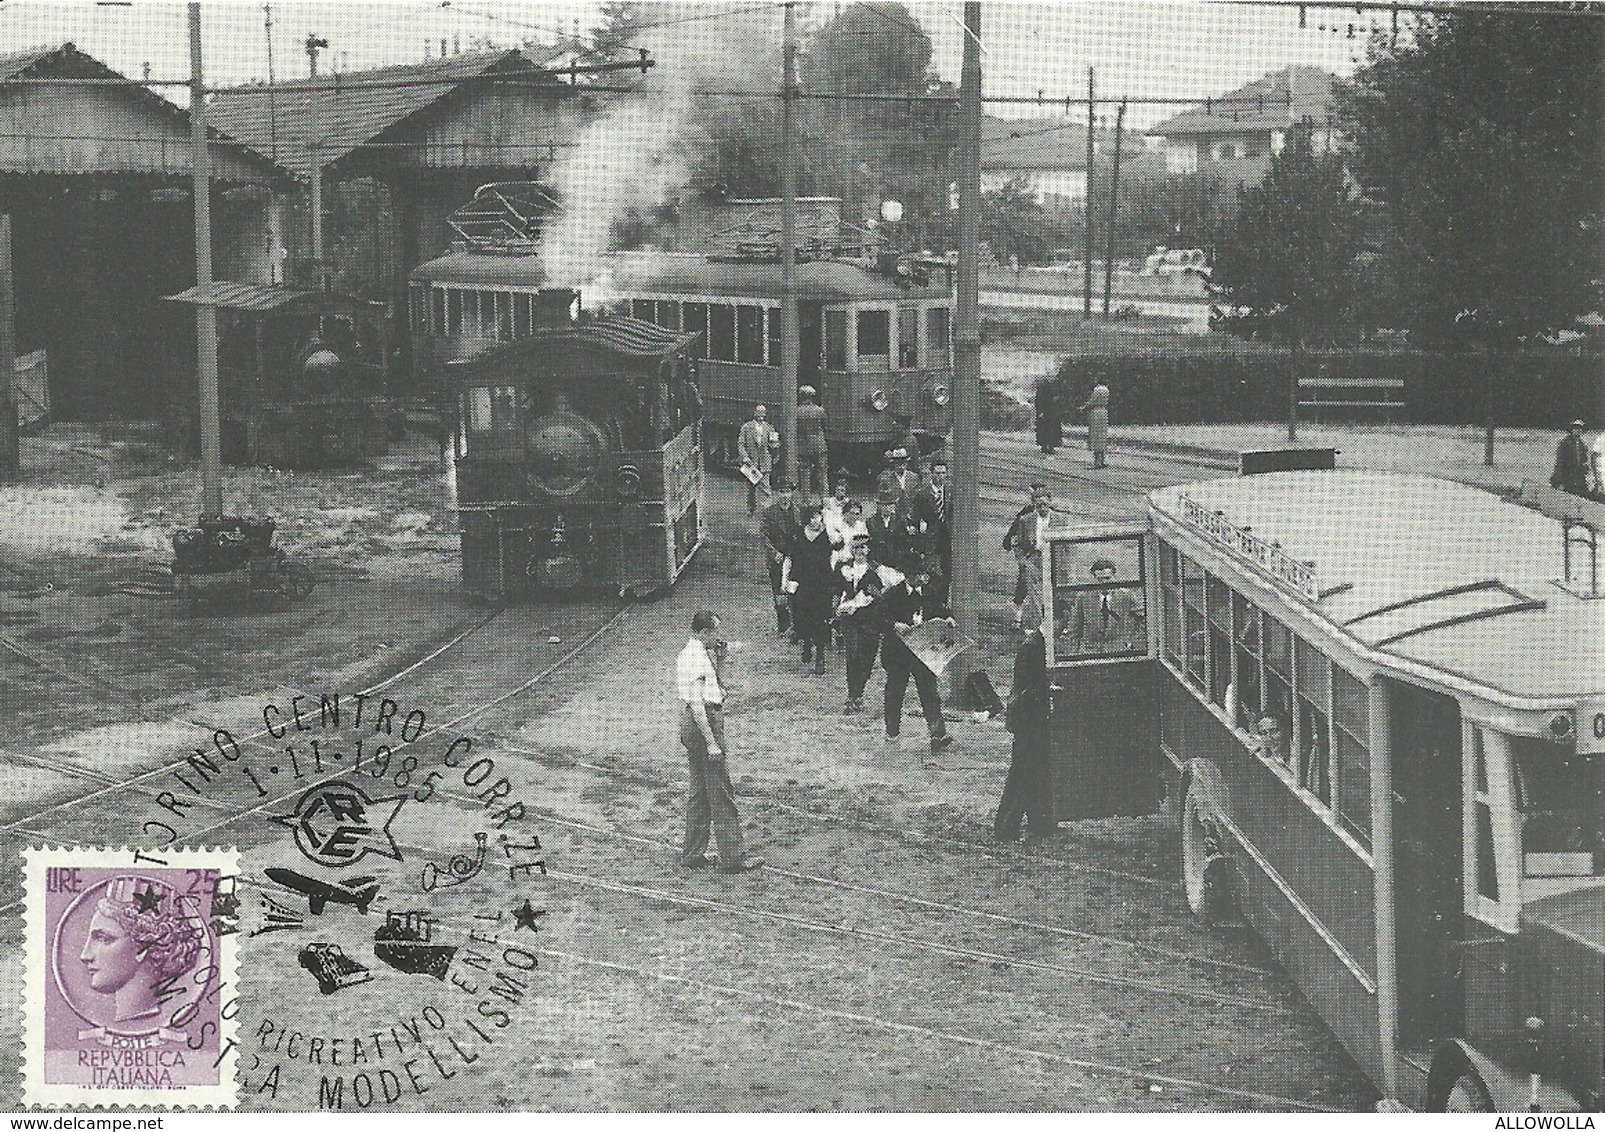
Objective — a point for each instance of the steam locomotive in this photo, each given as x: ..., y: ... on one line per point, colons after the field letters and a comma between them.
x: 874, y: 333
x: 303, y: 377
x: 578, y: 455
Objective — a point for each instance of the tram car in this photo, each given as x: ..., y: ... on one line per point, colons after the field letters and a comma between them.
x: 303, y: 376
x: 875, y: 333
x: 578, y: 458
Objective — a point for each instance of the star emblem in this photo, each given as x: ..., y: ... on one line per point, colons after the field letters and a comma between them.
x: 525, y: 917
x: 149, y: 900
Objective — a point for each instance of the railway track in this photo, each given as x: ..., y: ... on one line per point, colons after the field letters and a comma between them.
x: 832, y: 929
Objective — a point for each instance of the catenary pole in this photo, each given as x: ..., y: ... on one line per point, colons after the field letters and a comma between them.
x: 967, y: 354
x: 789, y: 333
x: 1086, y: 266
x: 205, y: 311
x: 1114, y: 201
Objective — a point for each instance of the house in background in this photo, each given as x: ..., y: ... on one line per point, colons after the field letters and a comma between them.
x: 1047, y: 154
x: 1238, y: 133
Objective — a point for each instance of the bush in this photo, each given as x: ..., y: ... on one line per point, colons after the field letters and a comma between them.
x: 1533, y: 390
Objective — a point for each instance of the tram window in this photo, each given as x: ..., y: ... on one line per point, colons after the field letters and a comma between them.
x: 1192, y: 616
x: 523, y: 315
x: 1314, y: 693
x: 473, y: 313
x: 694, y: 318
x: 1098, y: 605
x: 477, y: 409
x: 1562, y: 800
x: 772, y: 319
x: 749, y: 335
x: 417, y: 309
x: 1279, y: 679
x: 936, y: 344
x: 874, y: 334
x: 836, y: 340
x: 504, y: 408
x: 1170, y: 599
x: 641, y: 309
x: 669, y: 314
x: 1245, y: 620
x: 437, y: 310
x: 454, y: 312
x: 1351, y: 718
x: 908, y: 337
x: 1218, y: 600
x: 722, y: 332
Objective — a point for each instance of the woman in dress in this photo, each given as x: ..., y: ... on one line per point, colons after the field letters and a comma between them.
x: 1097, y: 409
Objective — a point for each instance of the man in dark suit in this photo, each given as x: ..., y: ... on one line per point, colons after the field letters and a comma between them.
x: 1026, y: 797
x: 889, y: 540
x: 1105, y: 619
x: 904, y: 606
x: 932, y: 521
x: 1571, y: 462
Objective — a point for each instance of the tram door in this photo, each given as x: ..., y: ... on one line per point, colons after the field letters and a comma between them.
x: 1102, y: 719
x: 811, y: 344
x: 1427, y: 860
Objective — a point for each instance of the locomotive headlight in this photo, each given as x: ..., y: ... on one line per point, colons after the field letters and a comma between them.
x: 1560, y: 727
x: 941, y: 395
x: 878, y: 400
x: 627, y: 483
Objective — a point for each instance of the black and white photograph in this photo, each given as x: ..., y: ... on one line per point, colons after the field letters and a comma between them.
x: 802, y: 556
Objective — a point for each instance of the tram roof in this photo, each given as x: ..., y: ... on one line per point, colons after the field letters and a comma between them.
x: 691, y: 275
x: 1422, y: 569
x: 627, y: 337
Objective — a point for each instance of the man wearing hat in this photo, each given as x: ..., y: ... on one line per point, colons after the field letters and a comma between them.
x: 1026, y: 538
x: 813, y: 460
x: 780, y: 525
x: 1571, y: 462
x: 862, y: 582
x: 905, y: 606
x: 1105, y: 618
x: 902, y: 474
x: 888, y: 527
x: 756, y: 446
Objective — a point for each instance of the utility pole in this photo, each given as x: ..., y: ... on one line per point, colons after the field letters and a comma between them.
x: 1114, y: 198
x: 10, y: 445
x: 205, y: 310
x: 790, y: 347
x: 1086, y: 267
x: 315, y: 163
x: 967, y: 355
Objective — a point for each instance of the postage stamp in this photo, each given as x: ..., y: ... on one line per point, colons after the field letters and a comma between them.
x: 128, y: 985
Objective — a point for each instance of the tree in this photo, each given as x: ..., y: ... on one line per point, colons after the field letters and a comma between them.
x: 1288, y: 258
x: 1016, y: 227
x: 1484, y: 132
x: 619, y: 25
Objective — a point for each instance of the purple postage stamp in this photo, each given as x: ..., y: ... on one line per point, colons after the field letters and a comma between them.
x: 129, y: 986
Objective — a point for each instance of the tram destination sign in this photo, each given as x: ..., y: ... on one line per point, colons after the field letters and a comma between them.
x: 1272, y: 560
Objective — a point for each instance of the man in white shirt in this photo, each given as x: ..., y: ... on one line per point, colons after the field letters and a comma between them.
x: 1596, y: 462
x: 711, y: 799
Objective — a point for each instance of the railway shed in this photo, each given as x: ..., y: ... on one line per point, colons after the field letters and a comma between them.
x: 96, y: 178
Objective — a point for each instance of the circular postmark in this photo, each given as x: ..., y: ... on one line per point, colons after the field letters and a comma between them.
x: 387, y: 907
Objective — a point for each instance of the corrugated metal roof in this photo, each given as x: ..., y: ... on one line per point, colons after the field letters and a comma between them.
x: 14, y: 64
x: 663, y: 273
x: 281, y: 118
x: 258, y: 299
x: 1273, y: 101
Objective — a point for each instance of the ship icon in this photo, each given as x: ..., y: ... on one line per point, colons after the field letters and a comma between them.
x: 404, y: 942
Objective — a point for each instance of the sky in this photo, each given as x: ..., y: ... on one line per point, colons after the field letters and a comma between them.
x: 1181, y: 50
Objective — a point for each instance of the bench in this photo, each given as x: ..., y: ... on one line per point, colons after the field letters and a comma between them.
x: 1384, y: 393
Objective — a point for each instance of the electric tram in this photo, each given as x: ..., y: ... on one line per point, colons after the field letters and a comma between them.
x: 1374, y: 706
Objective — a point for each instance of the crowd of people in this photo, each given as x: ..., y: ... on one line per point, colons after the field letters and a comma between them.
x: 858, y: 577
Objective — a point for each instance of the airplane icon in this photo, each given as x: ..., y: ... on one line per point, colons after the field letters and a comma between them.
x: 358, y: 892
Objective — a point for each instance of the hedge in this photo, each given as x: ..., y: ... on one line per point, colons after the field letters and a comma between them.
x: 1535, y: 390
